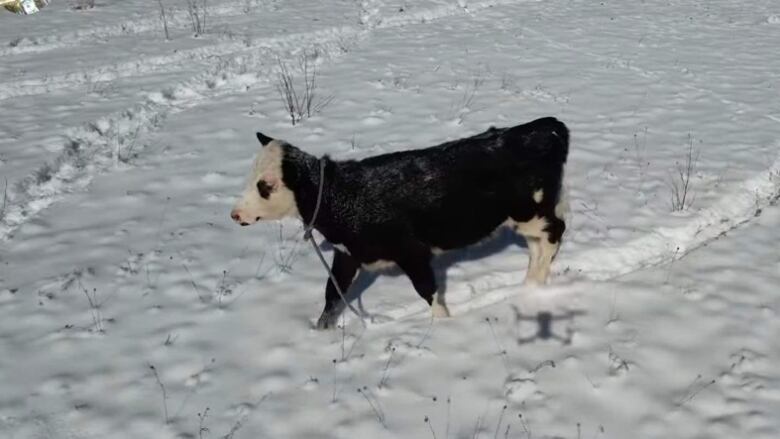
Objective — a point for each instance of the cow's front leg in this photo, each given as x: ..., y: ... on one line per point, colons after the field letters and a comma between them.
x: 417, y: 267
x: 344, y: 270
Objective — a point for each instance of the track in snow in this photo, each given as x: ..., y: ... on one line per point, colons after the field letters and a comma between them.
x: 177, y: 19
x: 658, y: 247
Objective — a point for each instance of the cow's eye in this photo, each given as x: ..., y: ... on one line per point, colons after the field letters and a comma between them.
x: 264, y: 189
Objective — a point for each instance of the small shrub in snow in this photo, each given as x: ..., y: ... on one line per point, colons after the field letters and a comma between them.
x: 164, y: 20
x: 300, y: 103
x: 5, y: 199
x: 464, y: 104
x: 680, y: 181
x: 640, y: 160
x: 198, y: 13
x: 201, y: 424
x: 164, y: 393
x: 94, y: 309
x: 84, y: 4
x: 373, y: 402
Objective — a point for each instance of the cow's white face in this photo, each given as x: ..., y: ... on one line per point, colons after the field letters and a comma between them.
x: 265, y: 196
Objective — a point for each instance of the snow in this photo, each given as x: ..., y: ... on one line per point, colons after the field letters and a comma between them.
x: 122, y: 274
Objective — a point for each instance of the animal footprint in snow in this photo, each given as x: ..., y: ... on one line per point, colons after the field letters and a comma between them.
x: 404, y: 348
x: 744, y: 376
x: 373, y: 121
x: 311, y: 384
x: 378, y: 319
x: 617, y: 365
x: 519, y: 389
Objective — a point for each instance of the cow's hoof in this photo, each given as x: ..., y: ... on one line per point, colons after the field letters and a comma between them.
x: 326, y: 321
x: 439, y: 310
x: 532, y: 282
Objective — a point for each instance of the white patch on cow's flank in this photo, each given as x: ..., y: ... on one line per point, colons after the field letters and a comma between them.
x: 539, y: 196
x: 533, y: 227
x: 379, y: 265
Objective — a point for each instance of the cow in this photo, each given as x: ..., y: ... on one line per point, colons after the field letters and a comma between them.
x: 400, y: 208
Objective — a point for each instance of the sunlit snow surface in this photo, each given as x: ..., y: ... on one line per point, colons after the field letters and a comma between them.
x: 121, y: 274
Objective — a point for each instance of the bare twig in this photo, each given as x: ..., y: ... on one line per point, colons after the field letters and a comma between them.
x: 164, y: 20
x: 380, y: 415
x: 682, y: 198
x: 470, y: 92
x: 501, y: 350
x: 5, y: 199
x: 335, y: 381
x: 385, y: 372
x: 449, y: 407
x: 223, y: 289
x: 639, y: 157
x: 128, y: 155
x: 237, y: 426
x: 526, y: 430
x: 194, y: 285
x: 692, y: 390
x: 500, y: 420
x: 463, y: 105
x: 94, y: 307
x: 198, y: 14
x: 477, y: 428
x: 428, y: 422
x: 164, y: 392
x: 286, y: 89
x: 170, y: 339
x: 300, y: 103
x: 202, y: 418
x: 427, y: 333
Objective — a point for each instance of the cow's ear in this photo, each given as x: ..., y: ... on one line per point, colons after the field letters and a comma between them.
x: 264, y: 140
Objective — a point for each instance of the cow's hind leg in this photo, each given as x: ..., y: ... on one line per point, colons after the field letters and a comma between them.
x: 543, y: 235
x: 534, y: 251
x: 417, y: 266
x: 549, y: 244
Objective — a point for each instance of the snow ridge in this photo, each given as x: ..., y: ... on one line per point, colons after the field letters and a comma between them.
x: 176, y: 19
x: 657, y: 247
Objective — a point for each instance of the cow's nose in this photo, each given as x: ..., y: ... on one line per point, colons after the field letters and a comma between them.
x: 235, y: 216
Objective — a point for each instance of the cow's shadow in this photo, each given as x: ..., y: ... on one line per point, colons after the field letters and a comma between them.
x: 502, y: 239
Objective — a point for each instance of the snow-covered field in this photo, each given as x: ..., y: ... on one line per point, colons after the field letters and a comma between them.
x: 132, y: 306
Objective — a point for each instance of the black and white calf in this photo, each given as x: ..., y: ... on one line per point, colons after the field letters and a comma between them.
x: 400, y: 208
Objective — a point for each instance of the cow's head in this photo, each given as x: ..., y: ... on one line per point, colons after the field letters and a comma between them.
x: 265, y: 195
